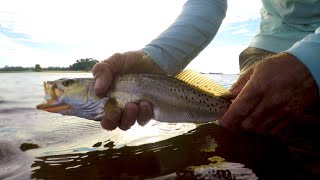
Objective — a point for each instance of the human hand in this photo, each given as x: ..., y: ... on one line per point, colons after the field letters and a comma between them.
x: 104, y: 74
x: 270, y: 94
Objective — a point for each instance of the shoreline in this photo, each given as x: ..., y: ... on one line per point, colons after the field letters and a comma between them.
x: 45, y: 72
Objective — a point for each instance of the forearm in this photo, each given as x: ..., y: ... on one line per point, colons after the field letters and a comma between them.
x: 192, y: 31
x: 308, y: 52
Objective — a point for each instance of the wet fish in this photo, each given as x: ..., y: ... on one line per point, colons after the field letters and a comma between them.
x: 188, y: 97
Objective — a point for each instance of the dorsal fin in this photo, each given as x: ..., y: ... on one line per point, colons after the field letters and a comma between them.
x: 203, y: 83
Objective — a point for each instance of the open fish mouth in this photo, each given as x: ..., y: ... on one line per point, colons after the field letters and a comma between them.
x: 52, y: 95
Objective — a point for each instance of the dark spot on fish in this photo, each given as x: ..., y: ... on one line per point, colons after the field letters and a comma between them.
x: 98, y: 144
x: 28, y: 146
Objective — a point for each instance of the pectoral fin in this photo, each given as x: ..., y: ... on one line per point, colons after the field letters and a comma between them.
x: 112, y: 109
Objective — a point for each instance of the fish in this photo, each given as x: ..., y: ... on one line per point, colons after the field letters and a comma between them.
x: 189, y: 97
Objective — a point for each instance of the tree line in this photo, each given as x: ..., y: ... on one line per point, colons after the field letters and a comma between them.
x: 80, y: 65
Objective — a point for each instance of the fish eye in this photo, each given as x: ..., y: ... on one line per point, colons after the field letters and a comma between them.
x: 67, y: 82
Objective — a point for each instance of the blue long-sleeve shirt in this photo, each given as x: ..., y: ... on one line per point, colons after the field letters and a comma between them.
x: 286, y: 25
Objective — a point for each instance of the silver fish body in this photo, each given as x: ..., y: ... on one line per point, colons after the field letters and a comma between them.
x: 172, y: 100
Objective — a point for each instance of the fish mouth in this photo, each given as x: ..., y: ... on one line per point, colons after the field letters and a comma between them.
x: 52, y: 95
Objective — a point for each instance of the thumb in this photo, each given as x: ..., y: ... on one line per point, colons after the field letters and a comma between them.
x: 242, y: 81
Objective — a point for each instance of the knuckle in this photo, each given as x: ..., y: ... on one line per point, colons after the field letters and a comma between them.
x: 248, y: 124
x: 100, y: 68
x: 96, y: 68
x: 244, y: 110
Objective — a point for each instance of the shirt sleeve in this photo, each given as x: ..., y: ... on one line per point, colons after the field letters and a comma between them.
x: 191, y: 32
x: 308, y: 52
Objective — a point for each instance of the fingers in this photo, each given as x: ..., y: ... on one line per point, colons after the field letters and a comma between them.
x: 127, y: 117
x: 242, y: 106
x: 145, y: 113
x: 105, y: 71
x: 111, y: 121
x: 242, y: 81
x: 271, y: 121
x: 270, y: 107
x: 278, y: 129
x: 103, y: 76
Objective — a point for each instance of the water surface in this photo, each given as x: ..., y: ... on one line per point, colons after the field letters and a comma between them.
x: 65, y: 147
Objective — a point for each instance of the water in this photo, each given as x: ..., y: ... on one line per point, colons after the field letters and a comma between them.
x: 39, y: 145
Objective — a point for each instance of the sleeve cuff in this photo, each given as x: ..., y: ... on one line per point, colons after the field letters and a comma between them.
x: 308, y: 52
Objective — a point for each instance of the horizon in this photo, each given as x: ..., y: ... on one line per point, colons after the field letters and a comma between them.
x: 34, y: 33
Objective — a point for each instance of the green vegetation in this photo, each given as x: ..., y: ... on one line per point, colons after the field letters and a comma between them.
x: 80, y: 65
x: 37, y: 68
x: 15, y: 68
x: 84, y: 64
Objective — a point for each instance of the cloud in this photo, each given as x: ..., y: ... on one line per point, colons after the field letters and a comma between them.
x: 218, y: 60
x: 56, y: 33
x: 242, y: 11
x: 84, y: 28
x: 241, y: 31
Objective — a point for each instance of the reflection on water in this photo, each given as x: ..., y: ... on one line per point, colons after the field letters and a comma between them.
x: 64, y: 147
x: 139, y: 162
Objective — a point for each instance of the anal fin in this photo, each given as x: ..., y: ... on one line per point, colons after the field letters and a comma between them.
x: 112, y: 109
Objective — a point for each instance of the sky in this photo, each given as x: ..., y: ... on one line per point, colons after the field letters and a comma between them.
x: 57, y: 33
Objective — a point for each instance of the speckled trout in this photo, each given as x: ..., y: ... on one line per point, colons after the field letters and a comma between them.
x: 188, y: 97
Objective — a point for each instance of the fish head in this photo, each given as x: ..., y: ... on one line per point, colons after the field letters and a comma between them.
x: 73, y: 97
